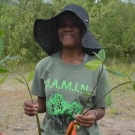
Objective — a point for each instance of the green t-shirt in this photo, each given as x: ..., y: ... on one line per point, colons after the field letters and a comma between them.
x: 61, y: 84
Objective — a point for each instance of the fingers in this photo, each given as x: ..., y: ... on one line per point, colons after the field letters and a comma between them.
x: 30, y: 108
x: 86, y: 121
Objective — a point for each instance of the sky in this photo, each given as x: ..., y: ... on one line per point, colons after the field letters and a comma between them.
x: 128, y: 0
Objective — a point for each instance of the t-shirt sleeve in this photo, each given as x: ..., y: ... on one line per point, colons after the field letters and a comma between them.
x: 38, y: 87
x: 102, y: 88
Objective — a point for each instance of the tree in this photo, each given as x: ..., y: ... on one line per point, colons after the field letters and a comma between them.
x: 117, y: 30
x: 17, y: 23
x: 111, y: 22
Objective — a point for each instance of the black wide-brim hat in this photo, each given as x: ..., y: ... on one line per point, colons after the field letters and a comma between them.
x: 46, y: 32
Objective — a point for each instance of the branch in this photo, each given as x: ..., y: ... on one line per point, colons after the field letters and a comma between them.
x: 93, y: 89
x: 106, y: 94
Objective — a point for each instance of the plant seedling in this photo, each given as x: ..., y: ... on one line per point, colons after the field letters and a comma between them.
x: 25, y: 82
x: 94, y: 65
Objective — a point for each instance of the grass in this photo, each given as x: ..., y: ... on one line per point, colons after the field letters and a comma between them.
x: 123, y: 97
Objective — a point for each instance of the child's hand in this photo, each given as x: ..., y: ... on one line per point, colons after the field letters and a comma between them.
x: 30, y: 108
x: 86, y: 120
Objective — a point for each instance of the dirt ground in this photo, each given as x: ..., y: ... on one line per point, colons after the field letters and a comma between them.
x: 119, y: 119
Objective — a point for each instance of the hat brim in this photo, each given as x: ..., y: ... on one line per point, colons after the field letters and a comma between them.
x: 46, y: 35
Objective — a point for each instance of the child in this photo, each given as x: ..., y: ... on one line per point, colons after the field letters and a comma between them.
x: 60, y: 77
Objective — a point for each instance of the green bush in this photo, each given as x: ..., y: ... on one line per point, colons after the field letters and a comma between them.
x: 112, y: 23
x: 115, y: 29
x: 17, y: 23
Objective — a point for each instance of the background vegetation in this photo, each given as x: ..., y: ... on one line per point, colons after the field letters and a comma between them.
x: 112, y: 23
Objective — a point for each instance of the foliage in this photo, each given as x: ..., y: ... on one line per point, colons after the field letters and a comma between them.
x: 111, y: 22
x: 25, y: 82
x: 2, y: 48
x: 1, y: 42
x: 115, y: 29
x: 3, y: 70
x: 17, y: 22
x: 91, y: 66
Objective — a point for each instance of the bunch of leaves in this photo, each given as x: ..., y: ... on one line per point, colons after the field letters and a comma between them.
x: 17, y: 22
x: 114, y: 28
x: 94, y: 65
x: 2, y: 70
x: 2, y: 60
x: 24, y: 81
x: 111, y: 22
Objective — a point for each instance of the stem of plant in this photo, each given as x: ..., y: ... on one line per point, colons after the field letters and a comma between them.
x: 93, y: 90
x: 106, y: 94
x: 37, y: 118
x: 90, y: 94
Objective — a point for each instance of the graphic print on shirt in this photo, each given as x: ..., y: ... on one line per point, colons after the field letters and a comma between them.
x: 56, y: 84
x: 62, y: 112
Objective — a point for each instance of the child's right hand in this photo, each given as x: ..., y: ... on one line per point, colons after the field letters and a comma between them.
x: 29, y: 108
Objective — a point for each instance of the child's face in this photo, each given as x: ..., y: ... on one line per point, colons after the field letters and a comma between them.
x: 70, y: 30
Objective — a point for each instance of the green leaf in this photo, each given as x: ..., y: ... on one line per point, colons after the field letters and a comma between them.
x: 101, y: 54
x: 3, y: 79
x: 115, y: 73
x: 3, y: 70
x: 97, y: 56
x: 1, y: 47
x: 134, y: 86
x: 93, y: 65
x: 30, y: 76
x: 1, y: 33
x: 108, y: 99
x: 127, y: 76
x: 86, y: 94
x: 20, y: 81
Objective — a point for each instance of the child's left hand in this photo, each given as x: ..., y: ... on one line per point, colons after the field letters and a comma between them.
x: 86, y: 120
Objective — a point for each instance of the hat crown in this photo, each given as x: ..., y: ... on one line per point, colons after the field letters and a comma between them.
x: 79, y: 11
